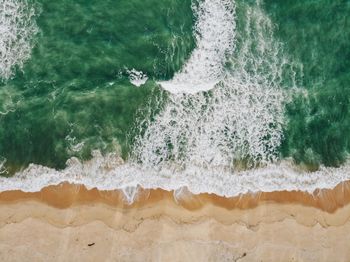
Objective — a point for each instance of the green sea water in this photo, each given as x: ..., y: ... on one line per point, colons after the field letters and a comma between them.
x: 73, y: 95
x: 74, y: 89
x: 317, y: 34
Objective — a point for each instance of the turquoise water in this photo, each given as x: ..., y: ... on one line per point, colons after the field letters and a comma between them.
x: 73, y: 93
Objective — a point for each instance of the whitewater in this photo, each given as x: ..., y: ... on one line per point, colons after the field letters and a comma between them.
x: 219, y: 129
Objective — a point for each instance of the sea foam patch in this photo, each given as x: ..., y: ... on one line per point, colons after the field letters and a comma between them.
x: 241, y: 119
x: 137, y: 78
x: 214, y: 33
x: 17, y: 29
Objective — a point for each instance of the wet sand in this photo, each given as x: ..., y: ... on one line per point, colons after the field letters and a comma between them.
x: 71, y: 223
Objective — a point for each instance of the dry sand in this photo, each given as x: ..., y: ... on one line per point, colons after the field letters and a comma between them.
x: 70, y: 223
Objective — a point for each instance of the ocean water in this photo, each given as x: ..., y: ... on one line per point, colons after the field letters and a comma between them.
x: 220, y: 96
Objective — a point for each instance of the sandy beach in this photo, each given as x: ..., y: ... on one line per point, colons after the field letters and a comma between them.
x: 71, y: 223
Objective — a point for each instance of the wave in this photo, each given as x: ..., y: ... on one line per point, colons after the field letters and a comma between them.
x: 214, y: 33
x: 110, y: 173
x: 17, y: 29
x: 241, y: 119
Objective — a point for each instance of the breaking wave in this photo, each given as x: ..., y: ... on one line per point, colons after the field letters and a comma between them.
x: 214, y: 32
x: 109, y: 172
x: 240, y: 120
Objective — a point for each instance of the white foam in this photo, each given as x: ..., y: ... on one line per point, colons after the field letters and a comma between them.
x: 74, y: 145
x: 240, y: 119
x: 214, y: 34
x: 137, y: 78
x: 17, y: 29
x: 109, y: 173
x: 3, y: 170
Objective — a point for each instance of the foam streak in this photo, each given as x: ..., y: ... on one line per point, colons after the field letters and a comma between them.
x: 17, y: 28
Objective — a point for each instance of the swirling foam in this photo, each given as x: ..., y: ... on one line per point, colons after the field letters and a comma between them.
x: 240, y: 120
x: 17, y: 29
x: 137, y: 78
x: 214, y: 33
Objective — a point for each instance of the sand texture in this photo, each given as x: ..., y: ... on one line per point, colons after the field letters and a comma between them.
x: 70, y: 223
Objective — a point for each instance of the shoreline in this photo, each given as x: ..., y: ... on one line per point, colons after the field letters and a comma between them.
x: 109, y: 173
x: 65, y: 195
x: 69, y: 222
